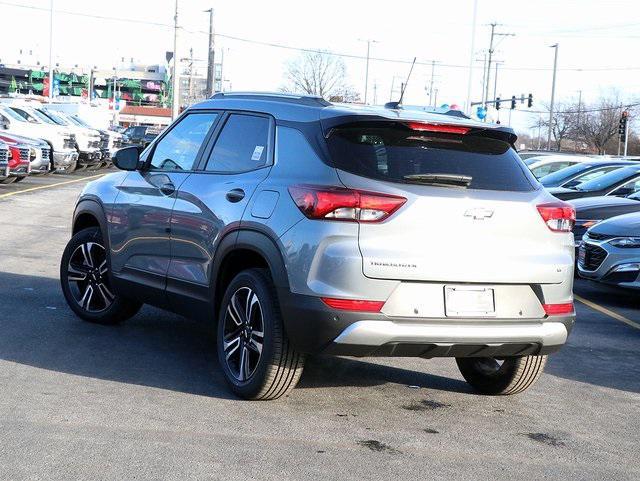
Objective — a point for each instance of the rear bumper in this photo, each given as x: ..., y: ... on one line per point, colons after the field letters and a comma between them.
x: 313, y: 327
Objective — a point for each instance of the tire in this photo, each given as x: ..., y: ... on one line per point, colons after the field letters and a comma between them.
x: 8, y: 180
x: 275, y: 368
x: 20, y: 179
x: 85, y: 266
x: 487, y: 376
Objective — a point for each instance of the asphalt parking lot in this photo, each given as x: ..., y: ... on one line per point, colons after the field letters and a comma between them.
x: 145, y: 400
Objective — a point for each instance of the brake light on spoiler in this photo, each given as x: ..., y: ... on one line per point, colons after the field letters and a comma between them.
x: 441, y: 128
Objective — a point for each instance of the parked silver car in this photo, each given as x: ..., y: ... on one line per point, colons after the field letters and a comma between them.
x: 302, y: 226
x: 610, y: 251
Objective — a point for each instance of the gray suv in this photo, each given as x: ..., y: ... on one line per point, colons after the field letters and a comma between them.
x: 300, y: 227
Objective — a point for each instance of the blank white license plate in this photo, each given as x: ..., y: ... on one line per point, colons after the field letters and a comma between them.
x: 469, y: 301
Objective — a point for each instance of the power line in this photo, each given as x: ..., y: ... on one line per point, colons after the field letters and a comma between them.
x: 425, y: 62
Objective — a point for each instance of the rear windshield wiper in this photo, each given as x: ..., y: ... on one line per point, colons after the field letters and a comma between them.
x: 445, y: 180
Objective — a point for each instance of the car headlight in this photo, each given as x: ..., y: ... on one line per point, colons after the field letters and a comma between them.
x: 626, y: 242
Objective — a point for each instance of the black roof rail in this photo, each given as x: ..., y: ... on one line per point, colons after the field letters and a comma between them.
x: 300, y: 99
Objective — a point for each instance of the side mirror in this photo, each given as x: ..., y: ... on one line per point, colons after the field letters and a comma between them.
x: 127, y: 158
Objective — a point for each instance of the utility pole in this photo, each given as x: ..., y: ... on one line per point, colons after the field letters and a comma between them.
x: 375, y: 92
x: 211, y: 58
x: 433, y: 70
x: 51, y: 52
x: 175, y: 104
x: 471, y: 55
x: 490, y: 55
x: 553, y: 94
x: 366, y: 72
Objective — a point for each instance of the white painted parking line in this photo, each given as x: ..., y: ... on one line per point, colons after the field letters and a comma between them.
x: 607, y: 312
x: 31, y: 189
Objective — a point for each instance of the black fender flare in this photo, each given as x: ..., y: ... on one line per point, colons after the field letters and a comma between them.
x: 257, y: 241
x: 94, y: 208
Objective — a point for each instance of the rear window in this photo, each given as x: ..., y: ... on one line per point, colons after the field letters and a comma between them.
x: 393, y: 152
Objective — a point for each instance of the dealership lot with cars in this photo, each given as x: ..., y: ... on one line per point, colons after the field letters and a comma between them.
x: 161, y: 392
x: 147, y: 398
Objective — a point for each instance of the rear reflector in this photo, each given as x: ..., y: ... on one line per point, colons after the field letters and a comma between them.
x: 338, y: 203
x: 559, y: 216
x: 557, y: 309
x: 353, y: 305
x: 442, y: 128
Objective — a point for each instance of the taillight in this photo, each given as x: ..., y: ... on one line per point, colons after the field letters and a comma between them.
x: 559, y: 216
x: 353, y: 304
x: 557, y: 309
x: 442, y: 128
x: 338, y: 203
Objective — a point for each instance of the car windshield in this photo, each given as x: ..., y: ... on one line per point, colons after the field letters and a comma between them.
x: 42, y: 116
x: 13, y: 115
x: 607, y: 180
x: 560, y: 176
x: 80, y: 121
x: 56, y: 118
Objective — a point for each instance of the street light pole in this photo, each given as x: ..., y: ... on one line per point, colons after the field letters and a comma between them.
x: 471, y: 54
x: 51, y: 52
x: 553, y: 94
x: 366, y: 72
x: 211, y: 57
x: 175, y: 104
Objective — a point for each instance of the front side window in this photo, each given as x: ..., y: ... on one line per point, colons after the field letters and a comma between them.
x: 242, y: 145
x: 179, y: 148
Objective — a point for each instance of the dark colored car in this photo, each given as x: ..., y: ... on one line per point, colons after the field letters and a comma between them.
x: 578, y: 173
x: 591, y: 210
x: 610, y: 252
x: 141, y: 135
x: 620, y: 182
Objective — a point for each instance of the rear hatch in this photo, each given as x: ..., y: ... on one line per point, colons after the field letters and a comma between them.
x: 471, y: 205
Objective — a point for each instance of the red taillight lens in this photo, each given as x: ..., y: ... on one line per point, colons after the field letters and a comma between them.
x: 442, y: 128
x: 559, y: 216
x: 337, y: 203
x: 557, y: 309
x: 353, y: 305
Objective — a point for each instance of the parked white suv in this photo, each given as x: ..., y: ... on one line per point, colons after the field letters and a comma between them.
x: 61, y: 140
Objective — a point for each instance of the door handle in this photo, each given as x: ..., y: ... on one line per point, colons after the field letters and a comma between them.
x: 168, y: 188
x: 235, y: 195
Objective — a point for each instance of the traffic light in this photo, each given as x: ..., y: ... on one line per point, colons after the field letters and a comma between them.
x: 530, y: 101
x: 497, y: 103
x: 513, y: 102
x: 622, y: 127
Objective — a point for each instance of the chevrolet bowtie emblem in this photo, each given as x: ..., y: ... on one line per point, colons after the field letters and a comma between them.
x: 479, y: 213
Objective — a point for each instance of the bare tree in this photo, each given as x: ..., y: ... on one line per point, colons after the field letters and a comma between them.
x: 599, y: 126
x: 563, y: 123
x: 318, y: 73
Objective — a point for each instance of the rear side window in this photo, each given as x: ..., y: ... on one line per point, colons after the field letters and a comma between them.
x: 242, y: 145
x: 395, y: 153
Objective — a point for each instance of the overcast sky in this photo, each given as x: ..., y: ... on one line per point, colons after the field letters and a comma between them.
x: 600, y: 37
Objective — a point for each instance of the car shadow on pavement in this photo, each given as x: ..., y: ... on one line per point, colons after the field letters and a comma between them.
x: 154, y: 348
x: 326, y: 371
